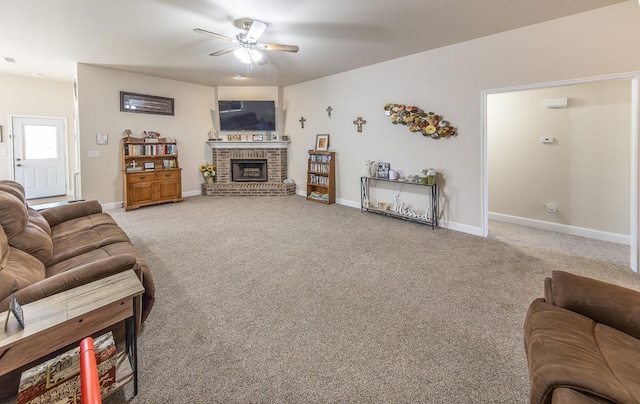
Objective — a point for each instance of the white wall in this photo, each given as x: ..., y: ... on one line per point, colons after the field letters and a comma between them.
x: 99, y: 111
x: 449, y: 81
x: 586, y: 171
x: 35, y: 96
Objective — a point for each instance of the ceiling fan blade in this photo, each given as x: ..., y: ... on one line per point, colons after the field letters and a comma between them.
x: 222, y: 52
x: 278, y: 47
x: 213, y: 34
x: 255, y: 32
x: 263, y: 61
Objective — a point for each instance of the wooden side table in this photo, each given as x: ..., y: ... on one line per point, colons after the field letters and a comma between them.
x: 65, y: 318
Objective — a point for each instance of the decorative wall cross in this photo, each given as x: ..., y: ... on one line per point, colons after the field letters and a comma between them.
x: 359, y: 122
x: 329, y: 109
x: 134, y: 164
x: 302, y: 121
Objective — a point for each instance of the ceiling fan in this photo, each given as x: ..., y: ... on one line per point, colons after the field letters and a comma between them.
x: 248, y: 48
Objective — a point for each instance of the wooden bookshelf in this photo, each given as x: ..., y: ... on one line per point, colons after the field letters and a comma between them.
x: 321, y: 177
x: 151, y: 172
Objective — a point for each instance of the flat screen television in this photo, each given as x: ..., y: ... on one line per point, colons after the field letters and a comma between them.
x: 247, y: 115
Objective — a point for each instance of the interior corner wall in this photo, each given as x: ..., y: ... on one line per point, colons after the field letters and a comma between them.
x: 585, y: 171
x: 35, y: 96
x: 450, y: 82
x: 99, y: 111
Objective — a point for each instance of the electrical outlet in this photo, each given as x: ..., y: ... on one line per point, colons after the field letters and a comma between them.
x: 551, y: 207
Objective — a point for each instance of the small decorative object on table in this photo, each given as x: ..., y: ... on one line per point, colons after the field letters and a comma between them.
x: 370, y: 168
x: 208, y: 172
x: 428, y: 176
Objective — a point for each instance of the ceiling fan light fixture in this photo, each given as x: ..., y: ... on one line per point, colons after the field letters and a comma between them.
x: 247, y: 56
x: 255, y: 55
x: 243, y: 55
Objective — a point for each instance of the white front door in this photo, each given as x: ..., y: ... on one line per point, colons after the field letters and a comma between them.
x: 39, y: 156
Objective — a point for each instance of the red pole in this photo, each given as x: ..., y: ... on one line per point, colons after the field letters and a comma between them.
x: 89, y: 385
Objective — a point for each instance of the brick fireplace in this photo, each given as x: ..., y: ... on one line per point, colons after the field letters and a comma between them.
x: 274, y: 154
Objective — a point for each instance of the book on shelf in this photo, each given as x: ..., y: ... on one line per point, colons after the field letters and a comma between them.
x: 150, y: 150
x: 319, y: 196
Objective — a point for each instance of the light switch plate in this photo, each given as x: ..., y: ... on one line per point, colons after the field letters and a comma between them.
x: 94, y: 153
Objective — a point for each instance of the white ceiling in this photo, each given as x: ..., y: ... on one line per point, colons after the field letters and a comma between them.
x: 156, y: 37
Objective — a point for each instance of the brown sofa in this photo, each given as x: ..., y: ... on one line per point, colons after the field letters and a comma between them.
x: 50, y: 251
x: 583, y: 342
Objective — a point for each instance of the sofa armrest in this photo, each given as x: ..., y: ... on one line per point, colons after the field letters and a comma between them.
x: 63, y: 213
x: 75, y: 277
x: 609, y: 304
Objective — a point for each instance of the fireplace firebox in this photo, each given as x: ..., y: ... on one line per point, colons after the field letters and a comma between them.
x: 249, y: 170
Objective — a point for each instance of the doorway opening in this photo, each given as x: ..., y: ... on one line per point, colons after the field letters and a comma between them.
x: 39, y: 156
x: 539, y: 140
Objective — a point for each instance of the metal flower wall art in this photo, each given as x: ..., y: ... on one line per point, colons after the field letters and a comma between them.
x: 427, y: 123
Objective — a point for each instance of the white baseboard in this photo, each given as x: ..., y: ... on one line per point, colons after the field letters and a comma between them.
x: 191, y: 193
x: 112, y: 205
x: 563, y: 228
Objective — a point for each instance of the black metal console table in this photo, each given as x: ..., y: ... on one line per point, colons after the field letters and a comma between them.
x: 429, y: 218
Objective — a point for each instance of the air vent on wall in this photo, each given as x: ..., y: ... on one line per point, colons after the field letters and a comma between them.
x: 556, y: 102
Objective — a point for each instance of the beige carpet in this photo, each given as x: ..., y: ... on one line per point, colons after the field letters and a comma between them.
x: 280, y: 300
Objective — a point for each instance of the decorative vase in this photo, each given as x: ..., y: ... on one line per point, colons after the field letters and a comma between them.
x: 209, y: 180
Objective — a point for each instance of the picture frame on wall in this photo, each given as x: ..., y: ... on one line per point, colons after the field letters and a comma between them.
x: 146, y: 104
x: 322, y: 142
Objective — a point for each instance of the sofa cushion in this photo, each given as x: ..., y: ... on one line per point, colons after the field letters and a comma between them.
x: 36, y: 218
x: 613, y: 305
x: 14, y: 189
x: 565, y: 349
x: 73, y: 226
x: 35, y: 241
x: 13, y: 214
x: 621, y: 353
x: 64, y: 213
x: 21, y: 271
x: 82, y: 241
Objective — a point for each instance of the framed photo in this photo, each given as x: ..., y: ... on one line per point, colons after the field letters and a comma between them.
x: 148, y: 165
x: 383, y: 170
x: 102, y: 138
x: 257, y: 138
x: 146, y: 104
x: 322, y: 142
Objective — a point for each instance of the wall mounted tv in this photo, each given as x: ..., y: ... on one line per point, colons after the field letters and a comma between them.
x: 247, y: 115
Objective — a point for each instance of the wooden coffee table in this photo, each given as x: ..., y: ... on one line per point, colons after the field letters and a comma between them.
x: 66, y: 318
